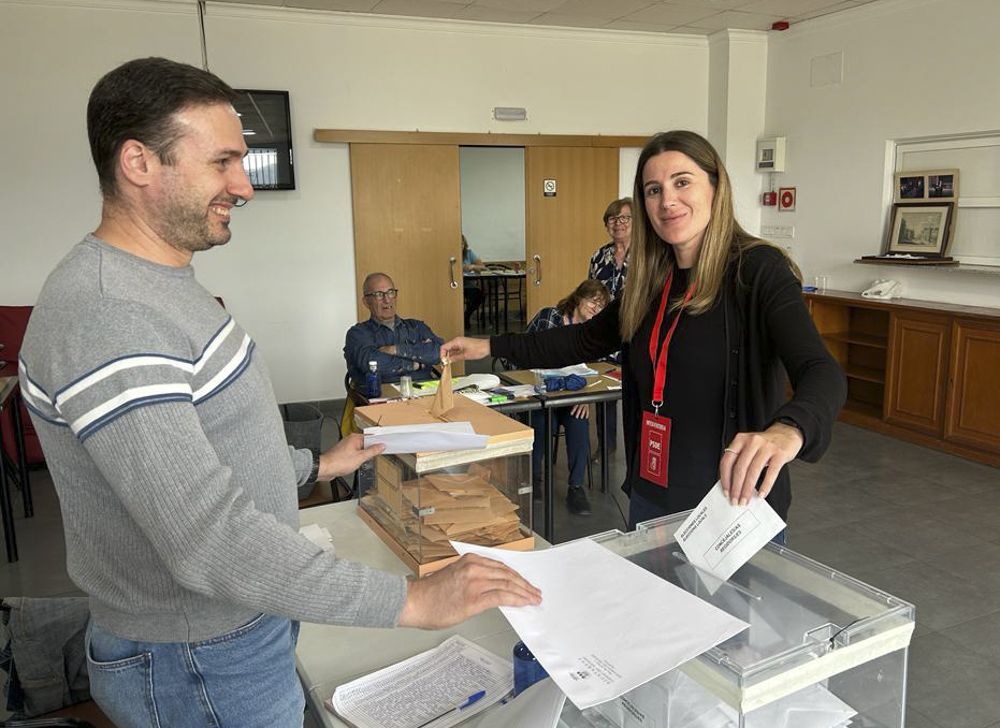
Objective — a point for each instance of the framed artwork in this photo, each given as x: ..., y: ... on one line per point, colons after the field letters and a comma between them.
x: 920, y: 229
x: 938, y: 184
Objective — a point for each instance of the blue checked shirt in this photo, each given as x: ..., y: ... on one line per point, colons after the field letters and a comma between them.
x: 417, y: 350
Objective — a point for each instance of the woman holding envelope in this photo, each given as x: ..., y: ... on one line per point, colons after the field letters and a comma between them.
x: 709, y: 323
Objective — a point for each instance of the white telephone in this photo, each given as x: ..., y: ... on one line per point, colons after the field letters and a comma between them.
x: 884, y: 288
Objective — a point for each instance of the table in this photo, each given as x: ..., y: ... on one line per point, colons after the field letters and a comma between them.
x: 328, y: 656
x: 489, y: 282
x: 10, y: 396
x: 600, y: 390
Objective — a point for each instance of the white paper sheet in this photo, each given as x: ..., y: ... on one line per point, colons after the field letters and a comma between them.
x: 606, y: 625
x: 318, y: 535
x: 537, y: 707
x: 433, y: 683
x: 719, y: 537
x: 434, y: 437
x: 581, y: 370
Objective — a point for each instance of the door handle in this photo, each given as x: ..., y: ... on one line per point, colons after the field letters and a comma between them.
x: 538, y: 269
x: 451, y: 265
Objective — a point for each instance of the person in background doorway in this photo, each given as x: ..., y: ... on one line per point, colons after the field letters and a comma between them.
x: 710, y: 322
x: 587, y: 300
x: 472, y: 293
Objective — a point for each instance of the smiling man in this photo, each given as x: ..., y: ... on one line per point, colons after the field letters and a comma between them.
x: 162, y: 435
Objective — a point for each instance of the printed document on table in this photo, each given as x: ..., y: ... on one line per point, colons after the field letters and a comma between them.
x: 606, y: 625
x: 719, y: 537
x: 433, y: 437
x: 427, y: 689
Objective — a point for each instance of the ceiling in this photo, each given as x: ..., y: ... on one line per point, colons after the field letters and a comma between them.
x: 697, y: 17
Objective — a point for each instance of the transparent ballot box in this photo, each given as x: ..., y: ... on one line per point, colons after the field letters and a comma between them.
x: 823, y: 649
x: 418, y: 502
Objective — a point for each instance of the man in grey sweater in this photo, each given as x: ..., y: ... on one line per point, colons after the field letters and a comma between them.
x: 162, y: 435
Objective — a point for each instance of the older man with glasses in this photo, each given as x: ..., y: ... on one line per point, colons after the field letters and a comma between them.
x: 398, y: 345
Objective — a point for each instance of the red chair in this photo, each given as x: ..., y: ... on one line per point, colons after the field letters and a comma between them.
x: 13, y: 322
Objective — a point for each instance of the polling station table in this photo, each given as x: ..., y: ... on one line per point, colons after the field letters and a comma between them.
x: 816, y: 637
x: 601, y: 390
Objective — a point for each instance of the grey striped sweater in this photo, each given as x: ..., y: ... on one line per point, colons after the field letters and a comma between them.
x: 163, y: 438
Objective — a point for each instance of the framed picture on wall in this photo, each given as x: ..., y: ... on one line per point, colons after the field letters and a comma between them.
x: 920, y: 229
x: 938, y: 184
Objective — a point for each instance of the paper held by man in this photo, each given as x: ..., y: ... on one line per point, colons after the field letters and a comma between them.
x: 595, y: 644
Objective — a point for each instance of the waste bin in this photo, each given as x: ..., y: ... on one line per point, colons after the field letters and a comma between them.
x: 303, y: 429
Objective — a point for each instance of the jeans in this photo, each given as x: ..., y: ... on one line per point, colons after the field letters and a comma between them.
x: 577, y: 442
x: 244, y: 678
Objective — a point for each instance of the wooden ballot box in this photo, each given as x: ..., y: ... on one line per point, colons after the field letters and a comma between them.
x: 418, y: 502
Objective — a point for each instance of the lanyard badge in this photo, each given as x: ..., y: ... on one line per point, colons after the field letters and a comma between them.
x: 654, y: 452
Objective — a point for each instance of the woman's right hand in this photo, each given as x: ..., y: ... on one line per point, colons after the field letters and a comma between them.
x: 464, y: 348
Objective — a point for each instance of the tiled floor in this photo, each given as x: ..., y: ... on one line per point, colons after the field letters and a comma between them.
x: 918, y: 523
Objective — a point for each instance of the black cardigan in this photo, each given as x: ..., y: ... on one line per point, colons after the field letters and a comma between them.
x: 768, y: 331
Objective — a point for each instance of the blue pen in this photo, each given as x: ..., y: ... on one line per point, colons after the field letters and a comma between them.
x: 474, y: 698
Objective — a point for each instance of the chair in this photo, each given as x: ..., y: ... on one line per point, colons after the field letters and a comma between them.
x: 13, y: 322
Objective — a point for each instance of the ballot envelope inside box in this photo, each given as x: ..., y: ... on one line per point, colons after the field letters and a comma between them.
x: 823, y: 650
x: 418, y: 502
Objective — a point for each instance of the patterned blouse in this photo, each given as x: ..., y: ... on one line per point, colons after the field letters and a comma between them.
x: 603, y: 269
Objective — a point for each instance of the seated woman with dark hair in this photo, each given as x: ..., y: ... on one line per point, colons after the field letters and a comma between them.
x: 586, y: 301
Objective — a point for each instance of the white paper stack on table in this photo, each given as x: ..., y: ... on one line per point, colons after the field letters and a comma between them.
x: 427, y: 690
x: 606, y: 625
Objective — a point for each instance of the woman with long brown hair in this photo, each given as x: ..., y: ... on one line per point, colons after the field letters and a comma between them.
x: 710, y: 321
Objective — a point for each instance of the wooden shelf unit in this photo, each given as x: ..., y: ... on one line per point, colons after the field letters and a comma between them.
x: 918, y: 370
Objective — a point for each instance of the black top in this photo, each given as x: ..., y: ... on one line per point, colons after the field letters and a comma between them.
x: 725, y: 374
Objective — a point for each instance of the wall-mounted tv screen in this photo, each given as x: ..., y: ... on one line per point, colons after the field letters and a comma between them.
x: 267, y: 130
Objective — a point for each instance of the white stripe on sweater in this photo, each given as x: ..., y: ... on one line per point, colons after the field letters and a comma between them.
x: 129, y: 395
x: 223, y: 374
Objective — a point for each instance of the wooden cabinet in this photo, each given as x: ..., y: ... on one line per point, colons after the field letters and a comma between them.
x: 918, y: 370
x: 974, y: 403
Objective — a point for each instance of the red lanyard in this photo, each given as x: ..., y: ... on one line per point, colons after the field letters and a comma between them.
x: 660, y: 365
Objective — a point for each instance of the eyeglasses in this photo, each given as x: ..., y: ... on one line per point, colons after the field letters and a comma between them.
x: 380, y: 295
x: 595, y: 304
x: 620, y: 220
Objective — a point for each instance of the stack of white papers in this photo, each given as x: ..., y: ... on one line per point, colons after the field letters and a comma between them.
x: 428, y: 689
x: 432, y: 437
x: 605, y: 625
x: 581, y: 370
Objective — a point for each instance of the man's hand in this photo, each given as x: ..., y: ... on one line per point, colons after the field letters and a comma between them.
x: 749, y: 453
x: 389, y: 349
x: 580, y: 411
x: 346, y: 456
x: 465, y: 348
x: 463, y: 589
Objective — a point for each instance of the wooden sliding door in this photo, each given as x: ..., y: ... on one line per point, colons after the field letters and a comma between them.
x: 563, y: 230
x: 407, y: 223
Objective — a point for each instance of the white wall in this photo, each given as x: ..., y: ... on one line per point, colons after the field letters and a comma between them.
x: 912, y: 68
x: 493, y: 201
x: 288, y: 273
